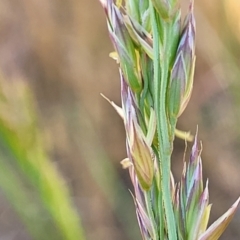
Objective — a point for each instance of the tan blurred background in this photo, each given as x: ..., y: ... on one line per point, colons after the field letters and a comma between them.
x: 61, y: 49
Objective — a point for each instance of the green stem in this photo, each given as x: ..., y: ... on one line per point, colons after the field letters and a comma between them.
x: 161, y: 215
x: 162, y: 121
x: 148, y: 201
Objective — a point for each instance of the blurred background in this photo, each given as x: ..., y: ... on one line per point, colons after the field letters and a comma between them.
x: 56, y: 53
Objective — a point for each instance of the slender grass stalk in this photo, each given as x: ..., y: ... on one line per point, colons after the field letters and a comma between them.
x: 156, y: 56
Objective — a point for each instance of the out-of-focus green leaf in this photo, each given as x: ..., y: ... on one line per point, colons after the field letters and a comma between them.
x: 28, y: 178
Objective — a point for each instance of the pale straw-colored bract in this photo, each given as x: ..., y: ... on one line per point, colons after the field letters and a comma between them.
x: 156, y: 57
